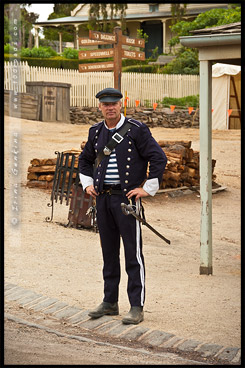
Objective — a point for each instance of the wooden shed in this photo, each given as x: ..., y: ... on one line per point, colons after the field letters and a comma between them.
x: 55, y: 100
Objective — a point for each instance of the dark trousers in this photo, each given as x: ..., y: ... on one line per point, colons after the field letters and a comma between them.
x: 111, y: 224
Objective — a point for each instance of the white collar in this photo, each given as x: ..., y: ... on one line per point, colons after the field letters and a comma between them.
x: 119, y: 124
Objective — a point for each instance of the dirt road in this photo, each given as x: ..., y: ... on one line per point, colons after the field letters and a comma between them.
x: 67, y: 263
x: 33, y: 341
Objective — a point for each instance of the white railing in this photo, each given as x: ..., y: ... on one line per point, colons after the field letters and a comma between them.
x: 146, y: 87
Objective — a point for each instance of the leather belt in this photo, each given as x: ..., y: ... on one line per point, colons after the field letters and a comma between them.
x: 111, y: 190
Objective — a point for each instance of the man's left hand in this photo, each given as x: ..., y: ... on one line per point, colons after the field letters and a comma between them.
x: 137, y: 192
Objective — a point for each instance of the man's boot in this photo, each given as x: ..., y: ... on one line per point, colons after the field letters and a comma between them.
x: 134, y: 316
x: 105, y: 308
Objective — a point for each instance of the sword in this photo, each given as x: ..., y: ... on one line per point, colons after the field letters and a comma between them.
x: 128, y: 210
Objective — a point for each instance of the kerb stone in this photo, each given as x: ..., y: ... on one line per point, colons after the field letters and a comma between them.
x: 188, y: 345
x: 79, y: 317
x: 54, y: 308
x: 68, y: 312
x: 119, y: 329
x: 19, y: 294
x: 134, y: 333
x: 93, y: 323
x: 207, y: 350
x: 227, y: 354
x: 156, y: 338
x: 29, y: 298
x: 44, y: 304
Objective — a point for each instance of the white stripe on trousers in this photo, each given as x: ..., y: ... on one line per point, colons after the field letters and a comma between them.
x: 142, y: 273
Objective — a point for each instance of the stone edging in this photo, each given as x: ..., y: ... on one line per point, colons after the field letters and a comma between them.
x: 112, y: 327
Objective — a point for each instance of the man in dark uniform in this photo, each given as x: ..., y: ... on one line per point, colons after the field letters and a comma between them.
x: 120, y: 177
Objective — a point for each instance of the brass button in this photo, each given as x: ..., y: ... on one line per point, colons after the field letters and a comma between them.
x: 130, y: 142
x: 127, y: 173
x: 126, y: 181
x: 129, y: 150
x: 125, y: 190
x: 127, y: 166
x: 128, y: 158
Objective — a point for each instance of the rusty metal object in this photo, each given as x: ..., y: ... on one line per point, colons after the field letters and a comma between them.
x: 66, y: 188
x: 80, y: 208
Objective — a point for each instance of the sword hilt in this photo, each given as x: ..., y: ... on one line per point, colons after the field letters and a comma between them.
x: 126, y: 209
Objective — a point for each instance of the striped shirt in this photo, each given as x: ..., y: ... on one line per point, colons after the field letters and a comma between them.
x: 112, y: 175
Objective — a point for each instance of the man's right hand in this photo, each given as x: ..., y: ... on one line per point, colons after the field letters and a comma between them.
x: 91, y: 191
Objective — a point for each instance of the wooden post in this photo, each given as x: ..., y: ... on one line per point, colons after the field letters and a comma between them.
x: 206, y: 167
x: 60, y: 42
x: 118, y: 58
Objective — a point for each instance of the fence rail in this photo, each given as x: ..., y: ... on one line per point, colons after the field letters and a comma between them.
x: 146, y: 87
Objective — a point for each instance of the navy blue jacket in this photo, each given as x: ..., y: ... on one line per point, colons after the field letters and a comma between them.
x: 133, y: 154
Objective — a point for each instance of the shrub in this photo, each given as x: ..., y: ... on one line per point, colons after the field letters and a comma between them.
x: 38, y: 52
x: 70, y: 53
x: 8, y: 49
x: 182, y: 102
x: 140, y: 69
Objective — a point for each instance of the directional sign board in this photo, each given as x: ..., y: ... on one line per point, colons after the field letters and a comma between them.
x: 117, y: 52
x: 96, y: 54
x: 84, y: 41
x: 136, y: 42
x: 133, y: 54
x: 100, y: 36
x: 96, y: 67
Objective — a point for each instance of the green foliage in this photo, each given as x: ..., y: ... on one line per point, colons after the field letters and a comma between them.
x: 70, y: 53
x: 52, y: 33
x: 101, y: 20
x: 8, y: 49
x: 186, y: 62
x: 182, y: 102
x: 38, y: 52
x: 128, y: 62
x: 141, y: 34
x: 140, y: 69
x: 211, y: 18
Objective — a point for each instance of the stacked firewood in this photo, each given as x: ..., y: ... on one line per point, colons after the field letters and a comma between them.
x: 41, y: 172
x: 182, y: 167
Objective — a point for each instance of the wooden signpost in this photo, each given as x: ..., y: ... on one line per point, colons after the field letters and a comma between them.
x: 117, y: 52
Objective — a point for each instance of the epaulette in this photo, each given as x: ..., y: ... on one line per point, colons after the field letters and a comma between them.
x: 135, y: 122
x: 96, y: 124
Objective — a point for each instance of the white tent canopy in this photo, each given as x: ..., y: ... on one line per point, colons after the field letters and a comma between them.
x: 221, y: 77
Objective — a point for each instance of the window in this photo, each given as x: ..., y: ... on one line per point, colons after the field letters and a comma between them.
x: 153, y: 7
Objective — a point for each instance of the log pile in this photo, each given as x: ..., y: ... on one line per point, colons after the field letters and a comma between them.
x: 41, y: 172
x: 182, y: 167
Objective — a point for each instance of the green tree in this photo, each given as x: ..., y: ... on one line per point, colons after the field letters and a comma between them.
x: 186, y: 61
x: 100, y: 20
x: 177, y: 11
x: 211, y: 18
x: 60, y: 11
x: 24, y: 24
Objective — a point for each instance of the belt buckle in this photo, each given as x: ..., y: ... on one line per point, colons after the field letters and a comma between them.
x: 108, y: 191
x: 117, y: 137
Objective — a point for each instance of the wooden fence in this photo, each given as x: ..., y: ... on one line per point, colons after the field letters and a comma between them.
x: 146, y: 87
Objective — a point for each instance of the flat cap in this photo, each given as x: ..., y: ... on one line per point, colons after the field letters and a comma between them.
x: 109, y: 95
